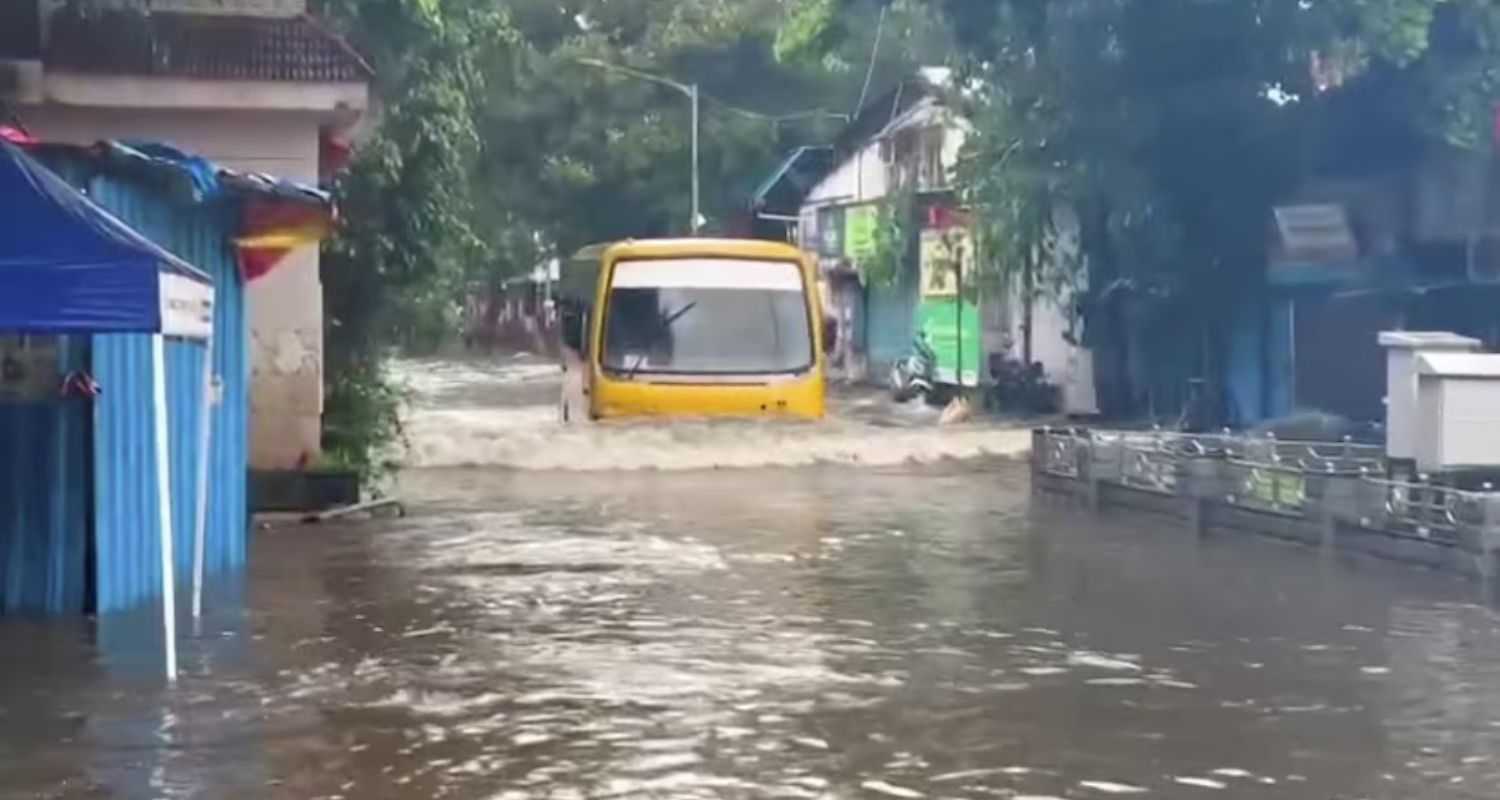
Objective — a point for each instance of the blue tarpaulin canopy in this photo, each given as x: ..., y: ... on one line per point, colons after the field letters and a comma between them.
x: 68, y: 266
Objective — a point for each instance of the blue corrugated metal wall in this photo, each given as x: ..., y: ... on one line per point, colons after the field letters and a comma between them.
x: 128, y: 556
x: 890, y: 314
x: 44, y: 500
x: 184, y: 405
x: 1260, y: 361
x: 126, y: 512
x: 1282, y: 377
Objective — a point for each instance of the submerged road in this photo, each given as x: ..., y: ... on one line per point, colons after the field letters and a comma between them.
x: 921, y: 630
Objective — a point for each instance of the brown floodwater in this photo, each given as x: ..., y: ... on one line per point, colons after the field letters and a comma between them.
x: 783, y: 633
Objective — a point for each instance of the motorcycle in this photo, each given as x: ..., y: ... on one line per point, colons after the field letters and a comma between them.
x: 1021, y: 388
x: 913, y: 376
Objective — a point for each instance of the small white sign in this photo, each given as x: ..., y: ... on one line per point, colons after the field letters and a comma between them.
x: 187, y: 307
x: 1316, y: 232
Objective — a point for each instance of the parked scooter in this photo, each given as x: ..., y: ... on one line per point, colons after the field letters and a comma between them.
x: 914, y: 376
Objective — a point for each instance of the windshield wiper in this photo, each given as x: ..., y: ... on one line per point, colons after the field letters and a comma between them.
x: 662, y: 327
x: 668, y: 319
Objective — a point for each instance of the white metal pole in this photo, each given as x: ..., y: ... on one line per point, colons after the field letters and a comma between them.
x: 693, y: 93
x: 205, y: 434
x: 164, y: 504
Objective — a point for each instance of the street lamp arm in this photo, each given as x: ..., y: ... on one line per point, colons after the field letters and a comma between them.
x: 815, y: 113
x: 688, y: 89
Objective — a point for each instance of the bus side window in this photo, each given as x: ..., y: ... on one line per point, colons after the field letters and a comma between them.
x: 575, y: 324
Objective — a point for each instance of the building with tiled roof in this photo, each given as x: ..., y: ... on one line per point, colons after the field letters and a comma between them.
x: 259, y: 86
x: 205, y: 46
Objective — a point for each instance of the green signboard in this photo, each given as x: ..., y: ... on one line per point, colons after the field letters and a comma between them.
x: 859, y: 232
x: 953, y: 329
x: 952, y: 326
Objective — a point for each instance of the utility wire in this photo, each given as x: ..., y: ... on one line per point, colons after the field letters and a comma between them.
x: 814, y: 113
x: 874, y: 54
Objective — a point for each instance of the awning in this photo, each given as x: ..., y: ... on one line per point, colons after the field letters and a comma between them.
x: 277, y: 216
x: 272, y: 228
x: 68, y: 266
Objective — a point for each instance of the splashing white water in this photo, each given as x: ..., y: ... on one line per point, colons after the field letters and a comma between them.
x: 1201, y: 783
x: 890, y: 789
x: 504, y: 413
x: 1111, y: 787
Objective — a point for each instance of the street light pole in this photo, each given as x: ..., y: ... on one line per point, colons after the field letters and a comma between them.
x: 691, y: 90
x: 697, y: 218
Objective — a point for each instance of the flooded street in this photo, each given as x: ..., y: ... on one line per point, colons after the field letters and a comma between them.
x: 900, y: 631
x: 504, y: 414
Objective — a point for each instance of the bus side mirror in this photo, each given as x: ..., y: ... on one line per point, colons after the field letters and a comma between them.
x: 830, y: 336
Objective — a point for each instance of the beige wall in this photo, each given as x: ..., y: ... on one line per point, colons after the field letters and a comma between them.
x: 281, y: 144
x: 286, y: 309
x: 189, y: 95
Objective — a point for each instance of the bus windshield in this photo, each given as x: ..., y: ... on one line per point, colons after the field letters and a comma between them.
x: 707, y: 316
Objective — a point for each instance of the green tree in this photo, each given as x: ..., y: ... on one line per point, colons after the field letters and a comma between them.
x: 590, y: 155
x: 407, y: 215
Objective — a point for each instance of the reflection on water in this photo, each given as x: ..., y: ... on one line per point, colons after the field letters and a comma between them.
x: 794, y: 633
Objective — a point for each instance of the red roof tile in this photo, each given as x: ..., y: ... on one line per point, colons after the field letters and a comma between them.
x: 201, y: 46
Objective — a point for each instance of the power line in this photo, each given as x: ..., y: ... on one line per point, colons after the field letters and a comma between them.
x: 874, y: 54
x: 814, y: 113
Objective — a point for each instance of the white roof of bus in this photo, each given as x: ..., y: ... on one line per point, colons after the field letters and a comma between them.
x: 707, y: 273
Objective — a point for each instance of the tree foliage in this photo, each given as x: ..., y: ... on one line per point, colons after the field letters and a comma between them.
x: 893, y: 240
x: 590, y: 155
x: 407, y: 218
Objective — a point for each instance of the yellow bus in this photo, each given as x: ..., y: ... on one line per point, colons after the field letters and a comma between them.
x: 691, y: 328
